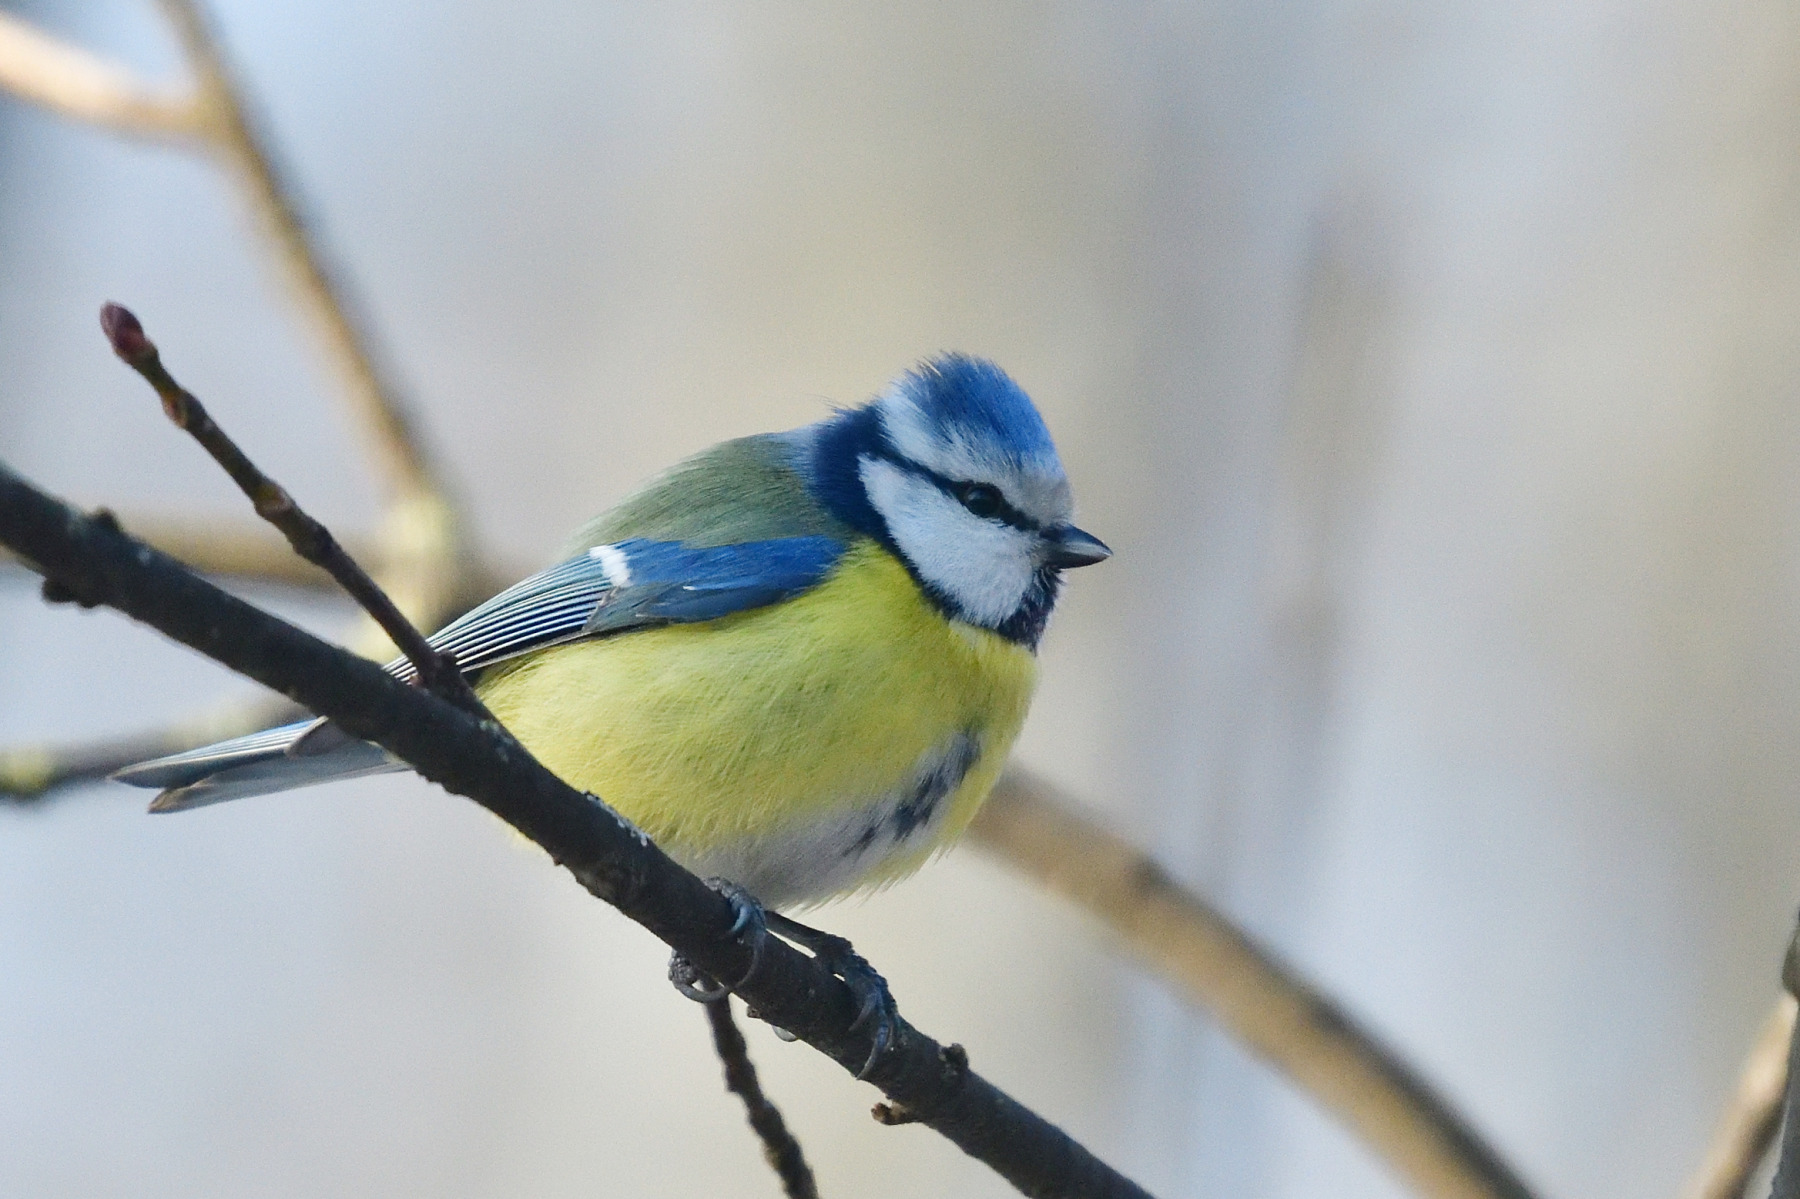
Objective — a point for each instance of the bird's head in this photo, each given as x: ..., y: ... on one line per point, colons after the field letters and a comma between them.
x: 951, y: 467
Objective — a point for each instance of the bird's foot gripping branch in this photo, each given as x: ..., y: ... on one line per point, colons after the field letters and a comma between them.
x: 90, y: 560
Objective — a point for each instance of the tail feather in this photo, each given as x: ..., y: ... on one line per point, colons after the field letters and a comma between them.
x: 277, y: 759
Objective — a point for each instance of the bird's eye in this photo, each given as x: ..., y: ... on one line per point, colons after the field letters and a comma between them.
x: 981, y: 499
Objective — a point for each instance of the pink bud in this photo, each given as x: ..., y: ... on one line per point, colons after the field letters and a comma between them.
x: 124, y: 332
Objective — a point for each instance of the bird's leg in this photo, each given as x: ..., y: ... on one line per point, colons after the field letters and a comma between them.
x: 751, y: 920
x: 874, y: 1002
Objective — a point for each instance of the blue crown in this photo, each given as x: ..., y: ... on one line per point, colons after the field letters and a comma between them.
x: 972, y: 401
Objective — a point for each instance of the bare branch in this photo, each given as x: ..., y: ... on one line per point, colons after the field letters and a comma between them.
x: 71, y: 82
x: 248, y: 553
x: 1753, y: 1116
x: 1257, y: 998
x: 96, y: 563
x: 310, y: 539
x: 779, y: 1146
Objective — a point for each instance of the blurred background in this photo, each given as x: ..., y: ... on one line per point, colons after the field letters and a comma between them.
x: 1431, y: 369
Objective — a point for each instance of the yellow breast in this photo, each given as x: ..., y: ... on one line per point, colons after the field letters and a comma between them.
x: 751, y: 746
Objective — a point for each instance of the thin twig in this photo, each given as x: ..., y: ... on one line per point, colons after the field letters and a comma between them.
x: 69, y: 81
x: 1261, y: 1001
x: 96, y: 563
x: 1753, y: 1117
x: 778, y: 1144
x: 310, y: 539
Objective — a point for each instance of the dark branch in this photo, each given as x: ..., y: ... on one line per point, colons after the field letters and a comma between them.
x: 310, y: 539
x: 99, y: 564
x: 779, y: 1145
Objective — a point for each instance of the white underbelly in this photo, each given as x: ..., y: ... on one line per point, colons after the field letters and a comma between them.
x: 834, y: 850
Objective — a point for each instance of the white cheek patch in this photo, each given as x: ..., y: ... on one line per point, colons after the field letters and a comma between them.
x: 984, y: 566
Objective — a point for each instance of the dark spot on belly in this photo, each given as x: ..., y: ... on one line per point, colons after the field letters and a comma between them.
x: 933, y: 786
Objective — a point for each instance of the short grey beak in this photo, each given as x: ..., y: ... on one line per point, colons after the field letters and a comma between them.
x: 1066, y: 547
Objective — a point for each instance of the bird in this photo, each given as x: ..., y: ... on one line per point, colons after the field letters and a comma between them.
x: 796, y: 661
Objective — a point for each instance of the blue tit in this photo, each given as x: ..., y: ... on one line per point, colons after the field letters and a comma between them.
x: 796, y: 660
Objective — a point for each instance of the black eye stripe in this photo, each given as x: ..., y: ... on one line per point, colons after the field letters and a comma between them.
x: 1006, y: 513
x: 959, y: 489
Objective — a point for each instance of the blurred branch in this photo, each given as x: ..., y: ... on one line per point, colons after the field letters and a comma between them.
x: 779, y: 1146
x: 1753, y: 1116
x: 32, y: 773
x: 41, y: 69
x: 244, y: 551
x: 424, y: 548
x: 234, y: 131
x: 29, y: 773
x: 423, y: 534
x: 1258, y: 999
x: 254, y: 554
x: 1787, y: 1170
x: 227, y: 548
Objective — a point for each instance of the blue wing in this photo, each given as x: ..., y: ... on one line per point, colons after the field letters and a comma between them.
x: 631, y: 585
x: 609, y: 590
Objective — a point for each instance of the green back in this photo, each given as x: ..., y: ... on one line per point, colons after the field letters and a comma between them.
x: 740, y: 490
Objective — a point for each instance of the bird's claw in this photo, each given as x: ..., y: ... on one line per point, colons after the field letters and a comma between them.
x: 749, y: 919
x: 875, y: 1007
